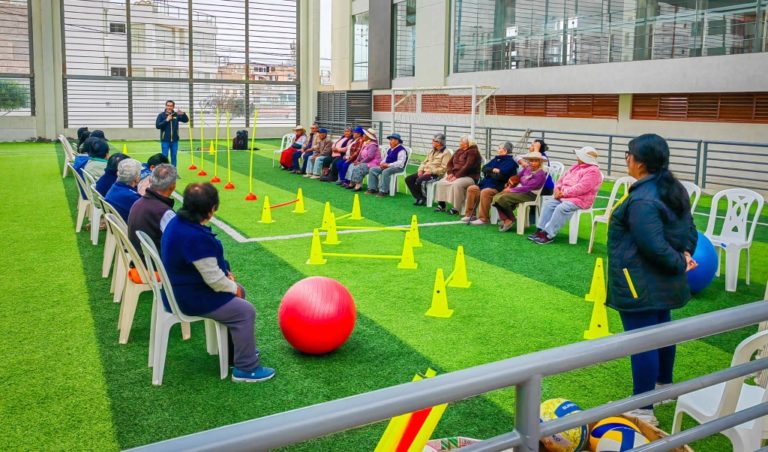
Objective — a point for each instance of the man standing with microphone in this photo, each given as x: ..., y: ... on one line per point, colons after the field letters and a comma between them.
x: 168, y: 124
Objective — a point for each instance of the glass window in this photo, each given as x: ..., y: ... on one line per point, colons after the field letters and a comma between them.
x: 118, y: 72
x: 512, y: 34
x: 16, y: 83
x: 404, y: 38
x: 117, y: 27
x: 138, y: 38
x: 360, y: 47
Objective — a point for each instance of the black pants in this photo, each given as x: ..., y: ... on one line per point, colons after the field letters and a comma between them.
x: 333, y: 174
x: 416, y: 184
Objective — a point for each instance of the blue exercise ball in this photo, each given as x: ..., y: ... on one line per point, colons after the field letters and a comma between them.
x: 706, y: 256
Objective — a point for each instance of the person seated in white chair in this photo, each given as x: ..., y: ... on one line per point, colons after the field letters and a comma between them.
x: 463, y: 170
x: 394, y: 162
x: 529, y: 180
x: 575, y: 190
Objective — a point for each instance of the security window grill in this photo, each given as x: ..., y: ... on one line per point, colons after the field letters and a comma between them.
x: 16, y: 77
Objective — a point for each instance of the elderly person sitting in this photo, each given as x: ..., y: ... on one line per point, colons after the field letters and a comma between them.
x: 353, y: 150
x: 530, y: 180
x: 369, y: 157
x: 152, y: 213
x: 495, y: 174
x: 304, y: 151
x: 123, y: 193
x: 462, y: 170
x: 146, y: 171
x: 394, y: 162
x: 433, y: 167
x: 109, y: 177
x: 286, y: 157
x: 338, y: 152
x: 321, y: 151
x: 575, y: 190
x: 203, y: 283
x: 538, y: 145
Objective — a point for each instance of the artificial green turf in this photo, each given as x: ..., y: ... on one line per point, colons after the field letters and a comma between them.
x: 54, y: 394
x: 517, y: 304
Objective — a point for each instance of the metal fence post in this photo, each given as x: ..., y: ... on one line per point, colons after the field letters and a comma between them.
x: 488, y: 143
x: 610, y: 153
x: 410, y: 134
x: 527, y: 403
x: 704, y: 165
x: 696, y: 170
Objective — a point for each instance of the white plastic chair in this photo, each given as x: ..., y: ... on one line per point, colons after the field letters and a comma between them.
x: 722, y: 399
x: 132, y: 289
x: 693, y: 191
x: 621, y: 183
x: 109, y: 239
x: 96, y: 208
x: 162, y: 320
x: 286, y: 141
x: 69, y: 154
x: 401, y: 173
x: 573, y: 224
x: 556, y: 170
x: 114, y: 258
x: 736, y: 233
x: 83, y: 203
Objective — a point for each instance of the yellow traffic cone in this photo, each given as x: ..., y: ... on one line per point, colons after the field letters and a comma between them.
x: 459, y: 275
x: 299, y: 203
x: 125, y: 149
x: 597, y: 289
x: 266, y: 212
x: 326, y: 216
x: 407, y: 261
x: 331, y: 237
x: 211, y: 149
x: 414, y: 231
x: 316, y: 250
x: 598, y: 324
x: 356, y: 212
x: 439, y: 306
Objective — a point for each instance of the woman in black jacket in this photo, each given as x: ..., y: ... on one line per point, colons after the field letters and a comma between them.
x: 651, y: 237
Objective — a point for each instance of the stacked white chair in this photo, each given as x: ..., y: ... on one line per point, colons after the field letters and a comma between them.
x: 115, y: 256
x: 622, y: 184
x: 162, y: 320
x: 723, y: 399
x: 69, y: 155
x: 736, y: 232
x: 96, y: 209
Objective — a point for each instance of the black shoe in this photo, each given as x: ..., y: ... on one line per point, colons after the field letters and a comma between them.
x: 371, y: 191
x: 440, y: 209
x: 453, y: 212
x: 417, y: 202
x: 423, y: 201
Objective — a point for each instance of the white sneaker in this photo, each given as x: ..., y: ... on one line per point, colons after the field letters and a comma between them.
x: 478, y: 222
x: 644, y: 415
x: 466, y: 219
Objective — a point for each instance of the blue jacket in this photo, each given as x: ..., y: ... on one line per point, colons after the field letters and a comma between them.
x: 646, y: 241
x: 106, y: 181
x: 122, y: 196
x: 169, y: 130
x: 507, y: 168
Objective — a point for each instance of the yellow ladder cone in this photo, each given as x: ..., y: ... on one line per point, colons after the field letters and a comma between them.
x: 459, y: 275
x: 316, y: 250
x: 326, y: 216
x: 299, y: 203
x: 332, y: 238
x: 439, y: 306
x: 598, y: 324
x: 125, y: 149
x: 356, y: 212
x: 414, y: 231
x: 266, y: 212
x: 211, y: 149
x: 597, y: 289
x: 407, y: 262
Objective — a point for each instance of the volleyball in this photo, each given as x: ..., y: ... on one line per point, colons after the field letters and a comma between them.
x: 620, y: 439
x: 569, y: 440
x: 605, y: 425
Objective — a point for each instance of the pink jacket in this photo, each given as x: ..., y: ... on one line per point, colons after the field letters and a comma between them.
x: 370, y: 155
x: 580, y: 184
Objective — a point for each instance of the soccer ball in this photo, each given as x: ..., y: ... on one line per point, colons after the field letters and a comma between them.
x: 569, y: 440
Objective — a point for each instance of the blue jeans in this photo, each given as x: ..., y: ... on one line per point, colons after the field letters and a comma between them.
x: 554, y: 215
x: 296, y: 156
x: 653, y: 366
x: 378, y: 178
x: 317, y: 169
x: 174, y: 148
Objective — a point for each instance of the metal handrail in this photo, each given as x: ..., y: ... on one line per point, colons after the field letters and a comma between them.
x: 525, y: 372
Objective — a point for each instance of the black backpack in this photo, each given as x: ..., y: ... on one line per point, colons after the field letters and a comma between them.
x: 240, y: 142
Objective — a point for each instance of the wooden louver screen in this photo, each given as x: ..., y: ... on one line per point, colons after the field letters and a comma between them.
x: 707, y: 107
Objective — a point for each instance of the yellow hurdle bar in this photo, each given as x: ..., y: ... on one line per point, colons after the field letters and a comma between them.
x: 362, y: 256
x: 373, y: 228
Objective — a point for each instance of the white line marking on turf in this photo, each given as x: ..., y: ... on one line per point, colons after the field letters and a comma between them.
x: 236, y: 236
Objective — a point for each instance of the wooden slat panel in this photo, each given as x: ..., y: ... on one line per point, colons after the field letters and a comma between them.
x: 645, y: 106
x: 580, y: 106
x: 605, y: 107
x: 737, y: 107
x: 535, y: 106
x: 707, y: 107
x: 382, y: 102
x: 673, y: 107
x: 703, y: 107
x: 557, y: 106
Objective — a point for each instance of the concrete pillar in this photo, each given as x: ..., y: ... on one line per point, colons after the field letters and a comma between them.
x: 380, y: 45
x: 309, y: 59
x: 432, y: 44
x: 341, y: 44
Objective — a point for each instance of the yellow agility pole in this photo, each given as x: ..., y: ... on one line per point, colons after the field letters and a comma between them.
x: 215, y: 148
x: 251, y: 196
x: 229, y: 185
x: 192, y: 165
x: 202, y: 147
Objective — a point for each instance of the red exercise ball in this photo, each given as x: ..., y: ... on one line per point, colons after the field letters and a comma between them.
x: 317, y: 315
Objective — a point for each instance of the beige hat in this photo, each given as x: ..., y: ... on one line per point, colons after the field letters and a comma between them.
x: 370, y: 133
x: 532, y: 156
x: 299, y: 127
x: 587, y: 154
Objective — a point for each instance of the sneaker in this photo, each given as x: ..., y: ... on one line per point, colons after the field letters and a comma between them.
x: 260, y: 373
x: 535, y: 234
x: 543, y: 239
x: 314, y: 177
x: 644, y: 415
x: 453, y: 212
x: 440, y: 209
x: 478, y: 222
x: 307, y: 175
x: 467, y: 218
x: 504, y: 227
